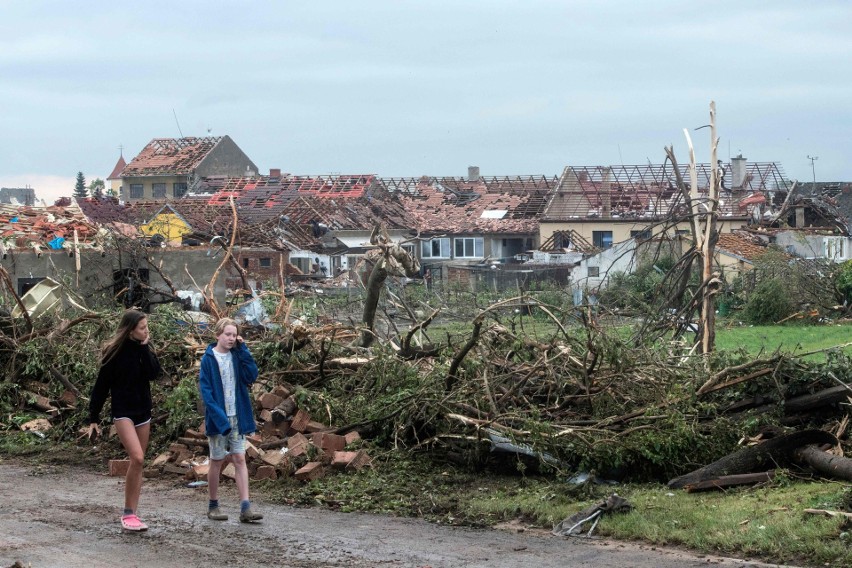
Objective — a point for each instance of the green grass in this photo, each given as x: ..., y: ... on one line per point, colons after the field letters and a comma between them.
x: 766, y: 522
x: 790, y: 338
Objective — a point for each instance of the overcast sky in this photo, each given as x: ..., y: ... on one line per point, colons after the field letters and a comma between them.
x: 429, y: 87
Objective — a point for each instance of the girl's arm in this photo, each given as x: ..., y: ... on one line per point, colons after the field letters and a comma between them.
x: 152, y: 363
x: 247, y: 366
x: 100, y: 392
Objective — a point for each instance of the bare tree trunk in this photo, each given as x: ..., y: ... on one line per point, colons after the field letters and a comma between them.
x: 374, y: 289
x: 703, y: 214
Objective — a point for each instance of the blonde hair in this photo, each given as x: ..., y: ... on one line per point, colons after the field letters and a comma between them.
x: 220, y: 326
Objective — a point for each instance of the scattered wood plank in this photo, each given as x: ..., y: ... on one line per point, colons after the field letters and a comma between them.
x: 731, y: 481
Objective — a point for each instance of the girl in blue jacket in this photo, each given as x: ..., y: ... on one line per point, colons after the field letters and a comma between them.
x: 227, y: 370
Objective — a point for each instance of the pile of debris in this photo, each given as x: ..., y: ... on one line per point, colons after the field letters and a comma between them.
x: 288, y: 443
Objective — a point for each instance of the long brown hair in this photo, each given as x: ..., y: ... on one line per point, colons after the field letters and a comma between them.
x: 128, y: 323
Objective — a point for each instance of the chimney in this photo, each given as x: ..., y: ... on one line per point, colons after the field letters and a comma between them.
x: 606, y: 193
x: 275, y: 172
x: 473, y: 173
x: 738, y: 172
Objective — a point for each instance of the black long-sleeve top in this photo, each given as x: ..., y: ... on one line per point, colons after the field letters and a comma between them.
x: 127, y: 377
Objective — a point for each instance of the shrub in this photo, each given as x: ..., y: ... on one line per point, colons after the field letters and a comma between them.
x: 769, y: 303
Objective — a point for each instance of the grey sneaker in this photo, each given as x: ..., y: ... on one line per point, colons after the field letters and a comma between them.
x: 214, y: 514
x: 249, y: 516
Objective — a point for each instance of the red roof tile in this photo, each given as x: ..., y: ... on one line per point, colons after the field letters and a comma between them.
x: 170, y: 156
x: 510, y: 205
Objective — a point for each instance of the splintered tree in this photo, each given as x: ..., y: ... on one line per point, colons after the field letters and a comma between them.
x: 96, y: 188
x: 80, y: 191
x: 703, y: 212
x: 388, y: 258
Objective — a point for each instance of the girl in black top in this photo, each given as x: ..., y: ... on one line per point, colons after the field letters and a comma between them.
x: 128, y: 365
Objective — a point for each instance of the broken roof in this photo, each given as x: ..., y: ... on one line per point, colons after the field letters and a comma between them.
x: 495, y: 204
x: 831, y: 198
x: 650, y: 191
x: 740, y: 245
x: 170, y: 156
x: 22, y: 227
x: 205, y: 219
x: 342, y: 202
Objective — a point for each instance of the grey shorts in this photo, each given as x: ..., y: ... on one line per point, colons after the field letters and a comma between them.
x: 222, y: 445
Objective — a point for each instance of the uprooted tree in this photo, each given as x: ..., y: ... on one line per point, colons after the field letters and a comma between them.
x: 529, y: 379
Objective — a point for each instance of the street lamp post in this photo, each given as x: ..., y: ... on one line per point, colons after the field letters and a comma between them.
x: 813, y: 169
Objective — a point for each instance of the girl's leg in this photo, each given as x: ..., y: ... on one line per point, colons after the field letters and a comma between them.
x: 241, y: 471
x: 135, y: 442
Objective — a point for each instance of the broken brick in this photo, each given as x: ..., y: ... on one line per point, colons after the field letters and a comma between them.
x: 274, y: 457
x: 118, y: 468
x: 352, y: 437
x: 297, y: 445
x: 328, y: 442
x: 201, y: 471
x: 310, y: 471
x: 300, y: 421
x: 252, y: 451
x: 362, y: 460
x: 342, y: 459
x: 161, y: 460
x: 313, y: 426
x: 190, y: 433
x: 281, y: 391
x: 270, y: 400
x: 265, y: 472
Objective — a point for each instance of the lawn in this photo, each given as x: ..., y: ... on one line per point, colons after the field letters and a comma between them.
x: 789, y: 338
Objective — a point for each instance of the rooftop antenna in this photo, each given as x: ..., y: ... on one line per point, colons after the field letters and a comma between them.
x: 178, y: 123
x: 121, y: 150
x: 813, y: 169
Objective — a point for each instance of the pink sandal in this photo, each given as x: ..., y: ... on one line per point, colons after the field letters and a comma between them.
x: 132, y: 523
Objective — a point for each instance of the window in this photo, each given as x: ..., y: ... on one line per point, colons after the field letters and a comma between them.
x: 642, y: 235
x: 136, y: 191
x: 469, y: 247
x: 594, y: 271
x: 159, y: 189
x: 435, y: 248
x: 24, y: 284
x: 245, y: 262
x: 178, y: 189
x: 265, y: 262
x: 834, y: 249
x: 602, y: 239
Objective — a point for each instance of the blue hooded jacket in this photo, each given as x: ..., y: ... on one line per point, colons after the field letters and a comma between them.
x: 210, y: 384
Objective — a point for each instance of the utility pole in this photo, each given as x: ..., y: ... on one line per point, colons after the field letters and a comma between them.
x: 813, y: 169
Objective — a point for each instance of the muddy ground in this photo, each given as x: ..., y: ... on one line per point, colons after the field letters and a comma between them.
x: 66, y: 516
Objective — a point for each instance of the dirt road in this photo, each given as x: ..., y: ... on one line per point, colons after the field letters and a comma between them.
x: 67, y: 517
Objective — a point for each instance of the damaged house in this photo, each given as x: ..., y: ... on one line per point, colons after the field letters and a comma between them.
x: 466, y: 225
x: 594, y: 208
x: 337, y: 213
x: 813, y: 222
x: 171, y: 250
x: 168, y: 167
